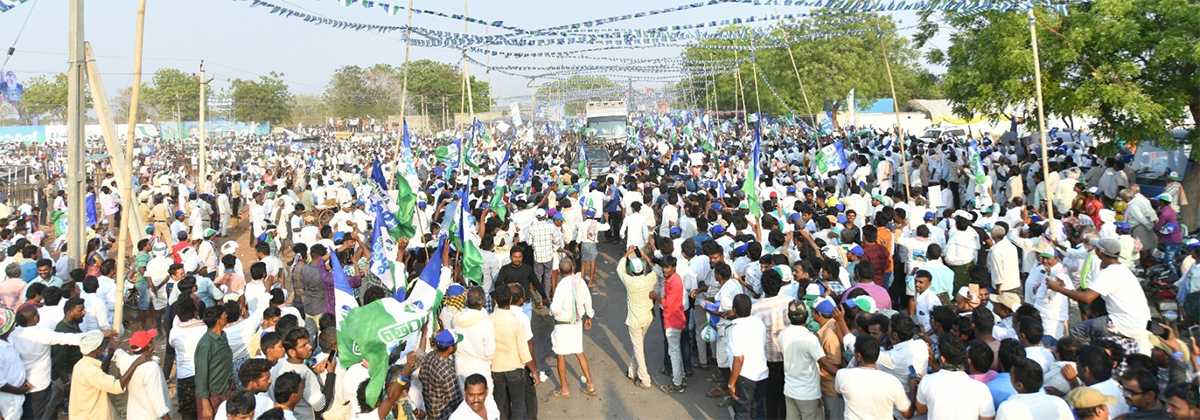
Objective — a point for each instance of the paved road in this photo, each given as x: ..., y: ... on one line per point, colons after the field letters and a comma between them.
x: 607, y: 346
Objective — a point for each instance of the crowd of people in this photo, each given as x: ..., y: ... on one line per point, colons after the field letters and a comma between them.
x: 955, y: 278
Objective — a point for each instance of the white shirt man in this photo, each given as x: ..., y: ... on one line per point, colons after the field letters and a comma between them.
x: 870, y: 393
x: 951, y: 394
x: 1003, y: 263
x: 635, y: 230
x: 1127, y: 308
x: 801, y: 351
x: 148, y: 397
x: 33, y: 343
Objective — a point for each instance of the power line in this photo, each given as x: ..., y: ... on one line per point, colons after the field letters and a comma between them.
x: 13, y: 48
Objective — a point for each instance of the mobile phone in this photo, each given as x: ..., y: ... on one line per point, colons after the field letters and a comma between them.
x: 1157, y: 329
x: 333, y: 354
x: 1194, y: 331
x: 973, y: 292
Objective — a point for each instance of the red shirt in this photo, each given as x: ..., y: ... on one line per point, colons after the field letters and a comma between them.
x: 672, y: 303
x: 878, y: 256
x: 1093, y: 207
x: 178, y: 248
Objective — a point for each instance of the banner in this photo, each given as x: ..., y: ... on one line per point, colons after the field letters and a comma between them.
x: 25, y: 134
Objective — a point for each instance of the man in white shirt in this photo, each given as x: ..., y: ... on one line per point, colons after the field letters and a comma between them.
x: 478, y: 346
x: 1095, y: 370
x: 748, y: 372
x: 949, y: 393
x: 148, y: 397
x: 1128, y: 311
x: 477, y: 402
x: 1030, y: 402
x: 1003, y: 263
x: 909, y: 355
x: 636, y: 229
x: 33, y: 343
x: 868, y: 392
x: 802, y: 356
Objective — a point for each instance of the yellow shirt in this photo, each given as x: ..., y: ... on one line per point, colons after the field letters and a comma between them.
x: 638, y: 303
x: 90, y: 387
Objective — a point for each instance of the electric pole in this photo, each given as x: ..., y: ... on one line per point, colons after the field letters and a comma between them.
x: 203, y: 130
x: 76, y: 148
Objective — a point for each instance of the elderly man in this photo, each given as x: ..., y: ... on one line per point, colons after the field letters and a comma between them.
x: 573, y: 312
x: 91, y: 383
x: 545, y: 238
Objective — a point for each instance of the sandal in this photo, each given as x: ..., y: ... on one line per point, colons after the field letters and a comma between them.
x: 589, y: 392
x: 717, y: 392
x: 558, y: 393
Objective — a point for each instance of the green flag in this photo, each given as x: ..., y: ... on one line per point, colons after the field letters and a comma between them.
x: 497, y: 203
x: 368, y: 332
x: 472, y: 262
x: 407, y: 201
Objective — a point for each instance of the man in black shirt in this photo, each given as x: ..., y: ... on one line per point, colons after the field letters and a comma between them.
x: 63, y: 358
x: 521, y: 274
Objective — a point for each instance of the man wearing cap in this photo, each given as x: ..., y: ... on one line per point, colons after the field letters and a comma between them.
x: 1003, y: 262
x: 439, y: 384
x: 1052, y: 306
x: 148, y: 395
x: 638, y: 277
x: 160, y: 216
x: 1169, y: 231
x: 1089, y: 404
x: 1128, y: 311
x: 91, y: 384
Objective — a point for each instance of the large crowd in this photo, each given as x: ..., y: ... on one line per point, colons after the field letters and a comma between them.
x: 948, y: 278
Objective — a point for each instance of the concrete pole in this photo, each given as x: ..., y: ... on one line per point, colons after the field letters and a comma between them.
x: 76, y: 146
x: 203, y: 131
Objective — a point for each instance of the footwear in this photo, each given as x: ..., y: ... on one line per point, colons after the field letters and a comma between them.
x: 589, y: 392
x: 727, y: 402
x: 664, y: 372
x: 641, y: 384
x: 672, y: 389
x: 717, y: 392
x: 687, y: 372
x: 558, y: 393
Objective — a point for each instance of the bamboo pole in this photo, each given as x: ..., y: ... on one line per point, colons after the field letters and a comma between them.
x: 754, y: 68
x: 1037, y: 82
x: 807, y: 105
x: 896, y: 108
x: 470, y: 100
x: 127, y: 188
x: 404, y: 88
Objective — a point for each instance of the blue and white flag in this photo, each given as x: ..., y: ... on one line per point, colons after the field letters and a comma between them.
x: 89, y: 207
x: 343, y: 294
x: 832, y: 157
x: 383, y: 253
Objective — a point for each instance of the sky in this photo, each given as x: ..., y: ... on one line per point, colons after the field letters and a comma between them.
x: 237, y: 41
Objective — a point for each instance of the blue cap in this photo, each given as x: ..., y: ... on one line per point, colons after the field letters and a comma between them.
x: 807, y: 190
x: 1035, y: 218
x: 676, y: 231
x: 856, y: 250
x: 421, y: 204
x: 591, y: 213
x: 1122, y: 225
x: 447, y: 338
x: 841, y: 218
x: 791, y: 189
x: 717, y: 229
x: 717, y: 206
x: 840, y: 207
x: 455, y: 290
x: 360, y: 202
x: 824, y: 305
x: 795, y: 216
x: 558, y: 216
x: 178, y: 213
x: 929, y: 215
x: 339, y: 236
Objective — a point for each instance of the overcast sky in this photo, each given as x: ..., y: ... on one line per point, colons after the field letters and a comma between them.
x: 237, y: 41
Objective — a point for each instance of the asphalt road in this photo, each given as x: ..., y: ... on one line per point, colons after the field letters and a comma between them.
x: 607, y: 346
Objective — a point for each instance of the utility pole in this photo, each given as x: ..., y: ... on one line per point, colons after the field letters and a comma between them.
x: 76, y: 148
x: 203, y: 130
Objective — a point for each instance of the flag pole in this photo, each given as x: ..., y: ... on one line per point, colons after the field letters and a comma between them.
x: 754, y: 68
x: 807, y: 105
x: 1037, y: 82
x: 127, y: 188
x: 404, y: 88
x: 895, y: 108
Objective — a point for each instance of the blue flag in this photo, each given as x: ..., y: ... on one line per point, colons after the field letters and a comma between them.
x: 407, y: 144
x: 89, y: 205
x: 430, y: 276
x: 343, y: 293
x: 377, y: 176
x: 526, y: 175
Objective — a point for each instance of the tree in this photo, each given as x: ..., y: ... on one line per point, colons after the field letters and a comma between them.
x: 1130, y: 64
x: 309, y: 109
x: 265, y: 100
x: 565, y: 87
x: 46, y: 98
x: 172, y: 87
x: 121, y: 104
x: 354, y: 91
x: 828, y: 65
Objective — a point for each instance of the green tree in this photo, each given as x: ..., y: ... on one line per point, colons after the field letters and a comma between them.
x: 172, y: 90
x: 121, y: 104
x: 1130, y: 64
x: 264, y: 100
x: 565, y: 87
x: 828, y: 65
x: 48, y: 98
x: 309, y: 109
x: 355, y: 91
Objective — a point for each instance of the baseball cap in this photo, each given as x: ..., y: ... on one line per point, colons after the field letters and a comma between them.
x: 841, y: 218
x: 1174, y: 176
x: 178, y: 213
x: 676, y: 231
x: 1047, y: 251
x: 229, y: 247
x: 1192, y: 243
x: 1088, y: 397
x: 840, y: 207
x: 814, y: 290
x: 795, y: 216
x: 717, y: 206
x: 929, y: 215
x: 1009, y: 300
x: 1121, y: 225
x: 455, y: 290
x: 141, y: 339
x: 1163, y: 197
x: 856, y: 250
x: 558, y: 216
x: 1093, y: 190
x: 824, y: 305
x: 1108, y: 246
x: 591, y: 213
x: 447, y: 338
x: 717, y: 229
x: 210, y: 232
x: 539, y: 213
x: 864, y: 303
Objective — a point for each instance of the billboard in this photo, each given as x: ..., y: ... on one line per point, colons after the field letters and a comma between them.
x: 23, y: 134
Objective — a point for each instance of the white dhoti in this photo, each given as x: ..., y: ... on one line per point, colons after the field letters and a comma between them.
x: 567, y: 339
